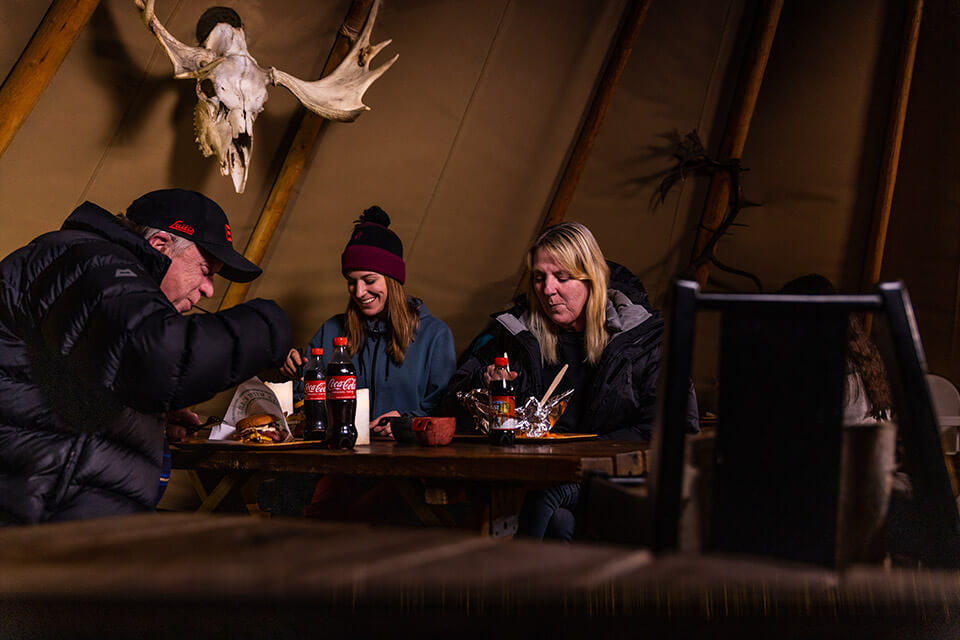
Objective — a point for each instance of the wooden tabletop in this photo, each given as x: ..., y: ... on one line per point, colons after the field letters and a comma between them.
x: 176, y: 575
x: 474, y: 460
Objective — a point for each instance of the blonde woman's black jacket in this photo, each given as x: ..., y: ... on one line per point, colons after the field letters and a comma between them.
x: 91, y: 354
x: 623, y: 398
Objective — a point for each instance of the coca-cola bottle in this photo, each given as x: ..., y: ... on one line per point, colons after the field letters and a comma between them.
x: 503, y: 398
x: 341, y: 398
x: 314, y: 398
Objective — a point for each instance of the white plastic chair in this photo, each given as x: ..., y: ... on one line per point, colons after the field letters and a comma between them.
x: 946, y: 402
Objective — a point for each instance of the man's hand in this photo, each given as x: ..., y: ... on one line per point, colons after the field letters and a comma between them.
x: 177, y: 423
x: 291, y: 368
x: 489, y: 375
x: 381, y: 426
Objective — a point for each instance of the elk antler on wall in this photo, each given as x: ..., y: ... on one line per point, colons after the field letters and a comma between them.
x: 232, y: 87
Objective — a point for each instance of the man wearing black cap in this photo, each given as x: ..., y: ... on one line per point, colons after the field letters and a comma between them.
x: 193, y: 229
x: 94, y: 352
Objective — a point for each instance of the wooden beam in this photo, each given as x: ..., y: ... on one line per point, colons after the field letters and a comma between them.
x: 299, y: 153
x: 891, y: 150
x: 616, y: 62
x: 738, y: 125
x: 41, y: 58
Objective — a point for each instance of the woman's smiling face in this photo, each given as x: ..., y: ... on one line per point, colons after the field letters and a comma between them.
x: 562, y: 296
x: 368, y: 290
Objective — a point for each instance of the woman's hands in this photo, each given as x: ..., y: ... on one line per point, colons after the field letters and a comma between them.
x: 381, y: 426
x: 490, y: 374
x: 292, y: 364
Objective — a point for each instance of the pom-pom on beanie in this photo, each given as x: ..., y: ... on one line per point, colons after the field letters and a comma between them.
x: 374, y: 247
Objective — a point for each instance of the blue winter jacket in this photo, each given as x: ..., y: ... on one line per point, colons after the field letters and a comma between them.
x: 414, y: 388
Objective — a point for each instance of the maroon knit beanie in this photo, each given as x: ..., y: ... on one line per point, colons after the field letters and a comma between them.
x: 374, y: 247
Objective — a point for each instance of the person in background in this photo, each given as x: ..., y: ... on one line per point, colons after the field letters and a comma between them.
x: 868, y: 396
x: 96, y: 358
x: 574, y: 314
x: 868, y: 400
x: 402, y: 352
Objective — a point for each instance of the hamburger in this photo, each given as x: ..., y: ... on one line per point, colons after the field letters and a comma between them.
x: 260, y: 428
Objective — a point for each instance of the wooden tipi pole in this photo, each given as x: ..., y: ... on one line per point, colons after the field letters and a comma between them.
x: 41, y: 58
x: 616, y: 62
x: 299, y: 153
x: 617, y: 58
x: 738, y: 125
x: 891, y: 149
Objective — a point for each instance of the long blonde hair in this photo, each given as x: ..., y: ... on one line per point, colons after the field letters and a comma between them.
x: 400, y: 315
x: 573, y: 247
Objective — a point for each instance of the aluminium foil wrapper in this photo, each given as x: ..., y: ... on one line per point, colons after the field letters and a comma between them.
x: 533, y: 420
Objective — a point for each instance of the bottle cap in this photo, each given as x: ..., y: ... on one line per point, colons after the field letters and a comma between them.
x: 340, y: 341
x: 316, y: 351
x: 500, y: 362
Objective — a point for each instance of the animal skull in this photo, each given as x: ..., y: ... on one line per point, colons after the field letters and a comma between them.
x: 232, y: 87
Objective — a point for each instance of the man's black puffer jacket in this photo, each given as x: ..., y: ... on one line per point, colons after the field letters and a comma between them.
x: 91, y: 354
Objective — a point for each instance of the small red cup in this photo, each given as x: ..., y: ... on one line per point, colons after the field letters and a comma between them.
x: 434, y: 432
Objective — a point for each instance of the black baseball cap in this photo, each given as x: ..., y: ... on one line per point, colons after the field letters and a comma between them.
x: 197, y: 218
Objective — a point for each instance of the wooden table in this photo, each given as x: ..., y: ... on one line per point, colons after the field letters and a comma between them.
x: 503, y: 470
x: 196, y: 575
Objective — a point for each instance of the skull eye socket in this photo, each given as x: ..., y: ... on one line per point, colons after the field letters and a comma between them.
x: 206, y: 86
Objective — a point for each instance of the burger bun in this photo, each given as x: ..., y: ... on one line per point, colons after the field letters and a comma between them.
x: 259, y: 428
x: 257, y: 420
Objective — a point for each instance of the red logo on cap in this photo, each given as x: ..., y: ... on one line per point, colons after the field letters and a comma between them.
x: 179, y: 225
x: 227, y: 231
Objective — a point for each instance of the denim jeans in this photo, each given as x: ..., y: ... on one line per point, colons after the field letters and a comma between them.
x: 550, y: 512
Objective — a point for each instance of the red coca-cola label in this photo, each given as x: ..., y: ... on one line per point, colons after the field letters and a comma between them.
x: 342, y: 388
x: 315, y: 390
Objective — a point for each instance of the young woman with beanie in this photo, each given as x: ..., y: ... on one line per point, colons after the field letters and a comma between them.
x: 402, y: 353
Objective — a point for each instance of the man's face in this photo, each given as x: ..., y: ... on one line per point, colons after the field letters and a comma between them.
x: 190, y: 276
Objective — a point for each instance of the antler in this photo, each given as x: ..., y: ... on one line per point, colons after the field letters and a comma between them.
x: 188, y: 62
x: 339, y: 96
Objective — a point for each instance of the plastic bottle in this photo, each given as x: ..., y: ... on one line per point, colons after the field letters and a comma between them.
x: 314, y: 397
x: 341, y: 398
x: 503, y: 399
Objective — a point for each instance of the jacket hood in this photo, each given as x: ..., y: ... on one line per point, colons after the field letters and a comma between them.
x: 623, y: 314
x: 95, y: 219
x: 623, y: 280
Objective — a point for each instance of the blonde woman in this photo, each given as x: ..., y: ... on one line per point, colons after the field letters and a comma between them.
x: 593, y: 316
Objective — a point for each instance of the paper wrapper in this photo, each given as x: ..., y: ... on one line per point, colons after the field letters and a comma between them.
x: 533, y: 420
x: 252, y: 396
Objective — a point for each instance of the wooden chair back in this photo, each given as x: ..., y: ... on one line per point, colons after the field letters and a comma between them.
x: 782, y: 378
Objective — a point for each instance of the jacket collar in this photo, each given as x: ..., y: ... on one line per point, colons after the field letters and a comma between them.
x: 95, y: 219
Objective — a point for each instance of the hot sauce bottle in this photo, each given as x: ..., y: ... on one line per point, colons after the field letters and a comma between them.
x: 503, y: 399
